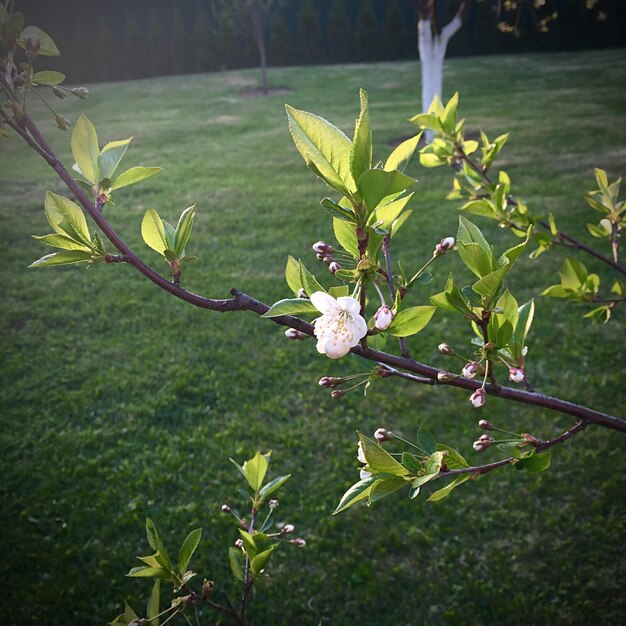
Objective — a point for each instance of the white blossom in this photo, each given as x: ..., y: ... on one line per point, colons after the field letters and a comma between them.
x: 383, y: 317
x: 363, y: 474
x: 478, y: 398
x: 341, y: 325
x: 471, y: 369
x: 360, y: 455
x: 516, y: 374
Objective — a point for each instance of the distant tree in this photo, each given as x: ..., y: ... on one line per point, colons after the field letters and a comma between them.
x: 227, y: 41
x: 205, y: 37
x: 181, y: 44
x: 339, y: 33
x: 309, y: 33
x: 281, y: 43
x: 366, y: 37
x: 135, y: 54
x: 394, y: 32
x: 157, y: 61
x: 107, y: 57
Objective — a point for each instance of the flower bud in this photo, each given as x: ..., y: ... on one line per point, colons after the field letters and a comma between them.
x: 444, y: 348
x: 334, y: 267
x: 478, y: 398
x: 287, y: 528
x: 298, y: 542
x: 225, y: 508
x: 443, y: 246
x: 530, y: 439
x: 239, y: 544
x: 207, y: 588
x: 302, y: 293
x: 320, y: 256
x: 471, y: 369
x: 31, y: 48
x: 321, y: 247
x: 382, y: 434
x: 486, y: 425
x: 329, y: 381
x: 80, y: 92
x: 327, y: 259
x: 273, y: 503
x: 363, y: 474
x: 606, y: 225
x: 337, y: 393
x: 482, y: 443
x: 516, y: 374
x: 59, y: 93
x: 486, y: 439
x: 383, y: 317
x: 444, y: 377
x: 294, y: 334
x: 360, y: 455
x: 62, y: 122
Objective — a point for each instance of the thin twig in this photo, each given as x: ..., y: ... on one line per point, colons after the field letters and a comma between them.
x: 404, y: 348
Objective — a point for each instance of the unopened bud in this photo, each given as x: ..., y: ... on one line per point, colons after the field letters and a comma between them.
x: 62, y: 122
x: 31, y: 48
x: 516, y: 374
x: 273, y: 503
x: 329, y: 381
x: 482, y: 443
x: 59, y: 93
x: 530, y: 439
x: 302, y: 293
x: 337, y: 393
x: 478, y: 398
x: 328, y: 259
x: 471, y: 369
x: 444, y: 348
x: 294, y: 334
x: 443, y: 246
x: 382, y: 434
x: 207, y: 588
x: 334, y: 267
x: 287, y: 528
x: 81, y: 92
x: 225, y: 508
x: 360, y: 455
x: 486, y: 425
x: 321, y: 247
x: 444, y: 377
x: 239, y: 544
x: 298, y: 542
x: 383, y: 317
x: 320, y: 256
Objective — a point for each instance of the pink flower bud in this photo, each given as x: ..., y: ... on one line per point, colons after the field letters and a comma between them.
x: 486, y: 439
x: 486, y: 425
x: 482, y: 443
x: 287, y: 528
x: 443, y: 246
x: 321, y: 247
x: 225, y: 508
x: 337, y: 393
x: 530, y: 439
x: 478, y: 446
x: 273, y: 503
x: 298, y: 542
x: 360, y: 455
x: 320, y: 256
x: 239, y: 544
x: 383, y: 317
x: 444, y: 348
x: 478, y: 398
x: 329, y: 381
x: 516, y: 374
x: 294, y: 334
x: 444, y: 377
x: 471, y: 369
x: 334, y: 267
x: 382, y: 434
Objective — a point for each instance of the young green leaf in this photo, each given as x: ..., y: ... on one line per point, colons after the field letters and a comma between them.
x: 291, y: 306
x: 85, y: 149
x: 66, y: 218
x: 152, y: 610
x: 187, y: 549
x: 379, y: 460
x: 410, y: 321
x: 401, y: 156
x: 445, y: 491
x: 383, y: 487
x: 361, y: 150
x: 153, y: 232
x: 237, y: 563
x: 259, y: 562
x: 356, y: 493
x: 426, y: 441
x: 111, y: 155
x: 535, y: 463
x: 183, y: 230
x: 61, y: 241
x: 309, y: 282
x: 273, y: 485
x: 255, y: 469
x: 47, y: 47
x: 48, y: 77
x: 292, y: 275
x: 378, y: 185
x: 345, y: 233
x: 67, y: 257
x: 134, y: 175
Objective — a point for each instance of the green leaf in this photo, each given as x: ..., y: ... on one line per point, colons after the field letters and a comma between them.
x: 292, y: 275
x: 383, y: 487
x: 111, y: 156
x: 188, y: 548
x: 449, y: 115
x: 325, y: 149
x: 379, y: 460
x: 488, y: 285
x: 183, y: 230
x: 309, y: 282
x: 397, y: 224
x: 361, y: 151
x: 61, y: 241
x: 152, y: 610
x: 153, y: 232
x: 412, y: 462
x: 85, y: 149
x: 259, y: 562
x: 47, y: 46
x: 470, y: 233
x: 475, y: 258
x: 134, y: 175
x: 237, y: 563
x: 453, y: 459
x: 66, y: 218
x: 426, y: 441
x: 273, y: 485
x: 156, y: 544
x: 410, y: 321
x: 385, y: 215
x: 336, y: 210
x: 356, y: 493
x: 451, y: 299
x: 291, y: 306
x: 255, y: 469
x: 401, y: 156
x: 443, y: 493
x: 428, y: 159
x: 427, y: 120
x: 376, y: 185
x: 339, y: 291
x: 345, y: 233
x: 479, y: 207
x: 148, y: 572
x: 573, y: 274
x: 536, y: 463
x: 67, y: 257
x: 48, y: 77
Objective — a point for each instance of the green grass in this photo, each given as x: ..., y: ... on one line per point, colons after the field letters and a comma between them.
x: 120, y: 402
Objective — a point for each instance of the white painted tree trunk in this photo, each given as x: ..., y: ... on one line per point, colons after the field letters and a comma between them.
x: 432, y: 49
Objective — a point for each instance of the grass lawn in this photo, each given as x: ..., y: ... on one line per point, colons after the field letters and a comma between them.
x: 119, y: 402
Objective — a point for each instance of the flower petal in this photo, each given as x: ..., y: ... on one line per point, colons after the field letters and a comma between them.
x: 323, y: 302
x: 349, y: 304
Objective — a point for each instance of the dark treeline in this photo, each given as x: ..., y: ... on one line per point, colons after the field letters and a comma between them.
x: 122, y: 40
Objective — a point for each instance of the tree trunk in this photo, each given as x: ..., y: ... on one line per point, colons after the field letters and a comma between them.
x: 432, y: 49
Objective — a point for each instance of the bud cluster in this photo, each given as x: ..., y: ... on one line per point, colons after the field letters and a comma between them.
x: 323, y: 252
x: 483, y: 442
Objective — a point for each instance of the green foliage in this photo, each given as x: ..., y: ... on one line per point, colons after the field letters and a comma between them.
x: 339, y: 33
x: 366, y: 36
x: 309, y: 33
x: 281, y: 43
